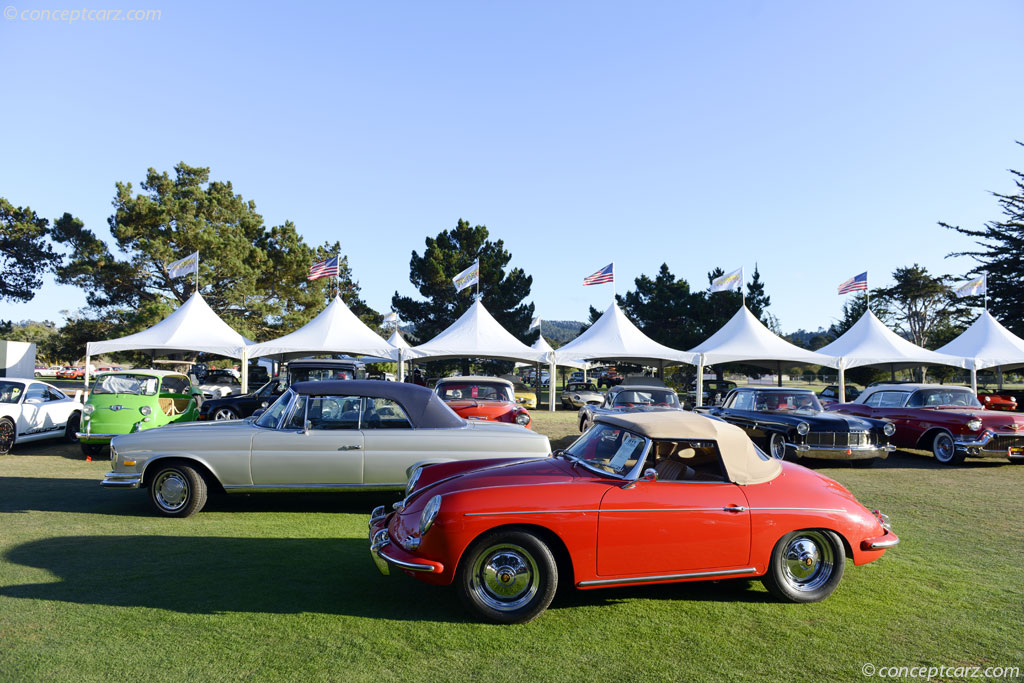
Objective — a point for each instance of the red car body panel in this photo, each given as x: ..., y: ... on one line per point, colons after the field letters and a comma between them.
x: 483, y: 409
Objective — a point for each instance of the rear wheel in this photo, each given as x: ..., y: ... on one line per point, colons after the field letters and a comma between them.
x: 178, y: 491
x: 806, y: 566
x: 945, y: 451
x: 509, y: 577
x: 225, y: 414
x: 7, y: 435
x: 71, y: 430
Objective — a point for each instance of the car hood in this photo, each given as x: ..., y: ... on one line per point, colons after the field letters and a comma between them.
x: 818, y: 420
x: 186, y: 436
x: 531, y: 472
x: 639, y: 409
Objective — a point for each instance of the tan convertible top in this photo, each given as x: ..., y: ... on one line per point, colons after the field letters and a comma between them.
x: 742, y: 461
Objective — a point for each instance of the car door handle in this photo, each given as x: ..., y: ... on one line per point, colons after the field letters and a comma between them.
x: 349, y: 448
x: 735, y: 508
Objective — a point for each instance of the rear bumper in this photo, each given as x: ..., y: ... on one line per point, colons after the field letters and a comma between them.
x: 842, y: 452
x: 122, y: 480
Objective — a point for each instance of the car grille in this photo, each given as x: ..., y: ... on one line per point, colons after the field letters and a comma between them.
x: 1000, y: 443
x: 844, y: 439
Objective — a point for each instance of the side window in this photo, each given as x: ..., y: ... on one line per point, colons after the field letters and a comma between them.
x: 689, y: 460
x: 36, y: 394
x: 829, y: 392
x: 383, y: 413
x: 175, y: 385
x: 334, y: 412
x: 297, y: 417
x: 874, y: 400
x: 892, y: 399
x: 743, y: 400
x: 54, y: 395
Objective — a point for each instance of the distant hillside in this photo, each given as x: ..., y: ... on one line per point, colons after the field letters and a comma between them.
x: 560, y: 332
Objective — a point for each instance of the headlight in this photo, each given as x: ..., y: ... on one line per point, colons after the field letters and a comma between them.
x: 88, y: 408
x: 145, y: 410
x: 576, y: 397
x: 889, y: 429
x: 974, y: 425
x: 1013, y: 398
x: 429, y: 514
x: 522, y: 419
x: 412, y: 480
x: 803, y: 428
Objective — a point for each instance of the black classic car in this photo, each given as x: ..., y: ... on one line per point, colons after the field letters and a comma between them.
x: 830, y: 394
x: 789, y: 423
x: 634, y: 395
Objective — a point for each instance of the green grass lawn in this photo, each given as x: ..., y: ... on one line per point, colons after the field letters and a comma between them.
x: 93, y: 587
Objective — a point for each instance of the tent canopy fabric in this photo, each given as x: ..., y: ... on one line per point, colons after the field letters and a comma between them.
x: 397, y: 341
x: 476, y: 334
x: 335, y: 330
x: 192, y: 327
x: 987, y: 344
x: 869, y: 342
x: 614, y: 337
x: 745, y: 339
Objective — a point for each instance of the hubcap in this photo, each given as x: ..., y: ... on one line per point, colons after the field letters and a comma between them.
x: 171, y: 490
x: 943, y: 448
x: 6, y: 436
x: 778, y: 447
x: 505, y: 577
x: 808, y: 561
x: 224, y: 414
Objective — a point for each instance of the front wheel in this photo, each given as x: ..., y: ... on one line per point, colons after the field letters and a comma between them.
x: 508, y: 577
x: 71, y: 430
x: 806, y: 566
x: 777, y: 446
x: 178, y: 491
x: 945, y: 451
x: 7, y: 435
x: 225, y: 414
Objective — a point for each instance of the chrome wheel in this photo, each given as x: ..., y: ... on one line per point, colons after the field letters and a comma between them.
x: 777, y: 446
x: 504, y: 577
x: 225, y: 414
x: 808, y: 561
x: 170, y: 490
x: 178, y: 491
x: 944, y: 449
x: 6, y: 436
x: 509, y: 577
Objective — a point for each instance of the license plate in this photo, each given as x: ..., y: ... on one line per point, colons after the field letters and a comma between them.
x: 1015, y: 451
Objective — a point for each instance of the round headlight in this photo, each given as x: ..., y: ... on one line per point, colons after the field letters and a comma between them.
x: 412, y: 480
x: 88, y: 408
x: 974, y: 425
x: 429, y: 514
x: 889, y: 429
x: 803, y: 428
x: 522, y: 419
x: 145, y: 410
x: 576, y: 397
x: 1013, y: 398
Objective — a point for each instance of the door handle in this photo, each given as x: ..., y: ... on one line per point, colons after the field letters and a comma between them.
x: 349, y: 448
x: 735, y: 508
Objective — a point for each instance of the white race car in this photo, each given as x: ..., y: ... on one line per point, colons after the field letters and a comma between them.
x: 32, y: 410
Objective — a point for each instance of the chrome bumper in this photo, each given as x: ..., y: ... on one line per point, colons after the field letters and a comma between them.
x: 122, y: 480
x: 91, y: 435
x: 978, y: 446
x: 842, y: 452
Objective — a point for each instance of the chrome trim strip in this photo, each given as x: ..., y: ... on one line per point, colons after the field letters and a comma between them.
x: 411, y: 566
x: 312, y: 487
x: 666, y: 577
x: 90, y: 435
x: 717, y: 509
x: 877, y: 545
x: 122, y: 480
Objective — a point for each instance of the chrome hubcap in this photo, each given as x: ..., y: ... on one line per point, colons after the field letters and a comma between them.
x: 778, y: 447
x: 943, y: 448
x: 808, y: 561
x: 505, y: 577
x: 171, y: 490
x: 224, y: 414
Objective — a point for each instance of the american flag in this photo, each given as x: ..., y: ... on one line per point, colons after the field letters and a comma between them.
x: 326, y: 268
x: 858, y: 283
x: 602, y: 276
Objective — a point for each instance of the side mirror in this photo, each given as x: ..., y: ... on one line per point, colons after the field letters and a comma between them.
x: 650, y: 474
x: 306, y: 427
x: 263, y: 406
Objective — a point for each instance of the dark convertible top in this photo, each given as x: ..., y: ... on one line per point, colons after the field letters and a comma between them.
x: 424, y: 408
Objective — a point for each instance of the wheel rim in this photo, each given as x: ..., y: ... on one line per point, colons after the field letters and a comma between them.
x: 73, y: 426
x: 777, y: 446
x: 6, y: 436
x: 808, y: 561
x: 171, y: 490
x: 943, y: 448
x: 224, y: 414
x: 505, y: 577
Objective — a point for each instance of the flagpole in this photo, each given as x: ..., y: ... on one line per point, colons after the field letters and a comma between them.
x: 613, y: 282
x: 867, y: 296
x: 743, y: 292
x: 986, y: 292
x: 197, y: 272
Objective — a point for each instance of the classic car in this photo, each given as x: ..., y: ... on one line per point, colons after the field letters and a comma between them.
x: 638, y: 499
x: 634, y: 395
x: 578, y: 394
x: 830, y: 394
x: 482, y: 398
x: 713, y: 392
x: 524, y: 395
x: 220, y: 383
x: 318, y: 436
x: 994, y: 401
x: 609, y: 378
x: 134, y: 401
x: 790, y: 423
x: 947, y: 420
x: 71, y: 373
x: 32, y: 410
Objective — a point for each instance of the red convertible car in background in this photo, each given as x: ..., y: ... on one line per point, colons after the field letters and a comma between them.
x: 638, y: 499
x: 948, y: 421
x: 997, y: 401
x: 483, y: 398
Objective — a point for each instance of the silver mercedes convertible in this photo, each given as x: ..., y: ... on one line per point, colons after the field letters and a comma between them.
x: 318, y: 436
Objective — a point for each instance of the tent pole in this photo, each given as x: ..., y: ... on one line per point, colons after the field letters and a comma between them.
x: 842, y: 383
x: 974, y: 379
x: 698, y: 400
x: 778, y: 368
x: 551, y: 384
x: 245, y: 372
x: 892, y: 372
x: 401, y: 364
x: 999, y: 372
x: 661, y: 370
x: 86, y: 367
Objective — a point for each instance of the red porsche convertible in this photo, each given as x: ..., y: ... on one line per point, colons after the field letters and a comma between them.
x: 483, y: 398
x: 638, y: 499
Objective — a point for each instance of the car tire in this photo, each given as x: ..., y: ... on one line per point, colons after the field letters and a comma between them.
x: 91, y: 450
x: 72, y: 428
x: 177, y: 491
x: 805, y: 566
x: 777, y: 446
x: 225, y: 414
x: 584, y: 425
x: 8, y: 435
x: 944, y: 449
x: 508, y: 577
x: 864, y: 463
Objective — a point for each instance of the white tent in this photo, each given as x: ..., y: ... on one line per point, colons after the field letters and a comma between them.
x: 614, y: 337
x: 986, y: 344
x: 192, y: 327
x: 869, y: 342
x: 398, y: 342
x: 745, y: 339
x: 476, y: 334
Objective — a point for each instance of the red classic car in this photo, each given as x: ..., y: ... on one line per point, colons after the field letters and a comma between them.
x: 638, y: 499
x: 948, y: 421
x: 483, y: 398
x: 997, y: 401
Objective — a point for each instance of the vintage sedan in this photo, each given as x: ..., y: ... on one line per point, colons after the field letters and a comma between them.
x: 634, y: 395
x: 32, y: 410
x: 220, y: 383
x: 830, y: 394
x: 236, y: 406
x: 579, y: 394
x: 947, y: 420
x: 790, y: 423
x: 318, y: 436
x: 638, y: 499
x: 483, y: 398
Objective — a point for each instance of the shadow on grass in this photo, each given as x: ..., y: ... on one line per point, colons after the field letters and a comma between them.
x: 910, y: 460
x: 212, y: 575
x: 53, y: 448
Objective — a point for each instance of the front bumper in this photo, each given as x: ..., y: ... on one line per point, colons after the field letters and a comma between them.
x: 989, y: 443
x: 886, y: 540
x: 122, y: 480
x: 385, y: 554
x: 842, y: 452
x: 92, y: 437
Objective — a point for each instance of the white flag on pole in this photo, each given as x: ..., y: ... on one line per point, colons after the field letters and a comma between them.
x: 189, y: 264
x: 534, y: 323
x: 391, y: 317
x: 730, y: 281
x: 977, y: 286
x: 467, y: 278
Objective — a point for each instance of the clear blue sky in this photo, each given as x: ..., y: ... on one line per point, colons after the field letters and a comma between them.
x: 813, y: 139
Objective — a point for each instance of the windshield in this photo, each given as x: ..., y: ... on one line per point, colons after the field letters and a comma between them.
x: 214, y: 376
x: 949, y: 396
x: 10, y: 392
x: 609, y: 450
x: 784, y: 400
x: 484, y: 391
x: 646, y: 397
x: 140, y: 385
x: 272, y: 415
x: 583, y: 386
x: 315, y: 374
